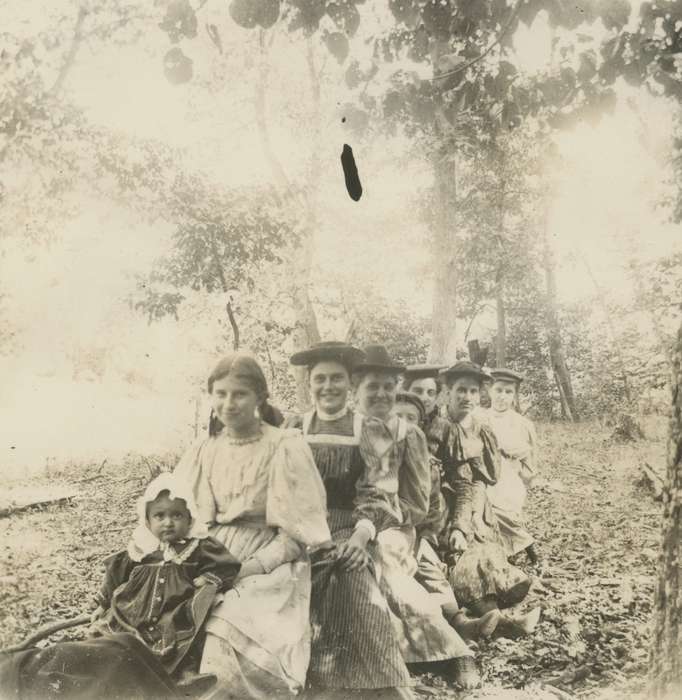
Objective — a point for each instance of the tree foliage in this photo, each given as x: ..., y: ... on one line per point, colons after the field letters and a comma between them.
x: 220, y: 242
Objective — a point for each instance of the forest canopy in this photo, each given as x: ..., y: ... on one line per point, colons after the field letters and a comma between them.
x: 171, y: 177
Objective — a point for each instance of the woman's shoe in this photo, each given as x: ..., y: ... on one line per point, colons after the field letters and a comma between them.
x: 532, y: 554
x: 517, y: 627
x: 464, y: 673
x: 476, y: 627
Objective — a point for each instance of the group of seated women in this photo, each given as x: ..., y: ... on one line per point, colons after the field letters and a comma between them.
x: 325, y: 554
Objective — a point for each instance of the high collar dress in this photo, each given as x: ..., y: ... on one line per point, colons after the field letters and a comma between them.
x: 263, y: 499
x: 516, y: 438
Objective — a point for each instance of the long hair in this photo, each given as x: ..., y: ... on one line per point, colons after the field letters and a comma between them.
x: 245, y: 368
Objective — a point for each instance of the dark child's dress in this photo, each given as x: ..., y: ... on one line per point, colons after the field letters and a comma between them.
x: 155, y: 599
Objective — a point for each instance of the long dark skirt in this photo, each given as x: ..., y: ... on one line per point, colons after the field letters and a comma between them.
x: 353, y: 643
x: 118, y: 667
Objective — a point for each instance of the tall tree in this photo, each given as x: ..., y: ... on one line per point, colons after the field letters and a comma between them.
x: 557, y: 354
x: 300, y: 254
x: 666, y: 650
x: 444, y: 306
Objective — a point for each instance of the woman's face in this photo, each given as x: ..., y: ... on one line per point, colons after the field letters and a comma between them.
x: 408, y: 411
x: 427, y: 391
x: 502, y: 395
x: 465, y: 395
x: 235, y: 403
x: 375, y: 394
x: 329, y: 386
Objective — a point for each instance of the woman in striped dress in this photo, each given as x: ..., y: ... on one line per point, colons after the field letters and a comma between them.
x: 354, y: 648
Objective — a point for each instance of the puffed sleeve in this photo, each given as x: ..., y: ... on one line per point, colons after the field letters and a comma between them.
x: 461, y: 495
x: 529, y: 461
x: 430, y: 527
x: 374, y: 509
x: 414, y: 478
x: 296, y: 499
x: 118, y: 567
x: 217, y: 564
x: 487, y: 467
x: 193, y: 471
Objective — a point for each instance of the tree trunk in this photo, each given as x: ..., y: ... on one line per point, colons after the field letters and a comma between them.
x: 666, y: 649
x: 300, y: 259
x: 553, y: 328
x: 444, y: 308
x: 501, y: 337
x: 443, y: 348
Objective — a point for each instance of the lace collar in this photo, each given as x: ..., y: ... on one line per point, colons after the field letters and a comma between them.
x: 243, y: 440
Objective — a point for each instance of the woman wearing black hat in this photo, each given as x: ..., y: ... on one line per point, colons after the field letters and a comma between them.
x: 482, y: 579
x: 517, y: 441
x: 404, y: 471
x: 354, y: 648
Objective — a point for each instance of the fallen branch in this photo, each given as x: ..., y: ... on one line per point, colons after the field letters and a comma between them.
x: 46, y: 631
x: 89, y: 478
x: 12, y: 508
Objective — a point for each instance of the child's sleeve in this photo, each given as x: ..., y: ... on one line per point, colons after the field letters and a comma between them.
x: 216, y: 564
x: 118, y: 568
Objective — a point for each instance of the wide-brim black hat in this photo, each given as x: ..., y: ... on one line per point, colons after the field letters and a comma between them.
x: 506, y: 375
x: 377, y: 359
x: 328, y: 350
x: 464, y: 368
x: 423, y: 371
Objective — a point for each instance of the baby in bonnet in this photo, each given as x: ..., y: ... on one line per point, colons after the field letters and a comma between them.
x: 162, y: 587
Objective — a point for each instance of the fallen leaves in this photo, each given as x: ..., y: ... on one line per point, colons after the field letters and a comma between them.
x: 595, y: 585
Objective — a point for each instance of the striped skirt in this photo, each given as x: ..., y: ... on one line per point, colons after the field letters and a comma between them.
x: 353, y: 643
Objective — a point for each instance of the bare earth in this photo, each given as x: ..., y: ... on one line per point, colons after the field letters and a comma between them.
x: 597, y: 525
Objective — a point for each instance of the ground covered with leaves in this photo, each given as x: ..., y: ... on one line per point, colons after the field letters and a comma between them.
x: 597, y: 523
